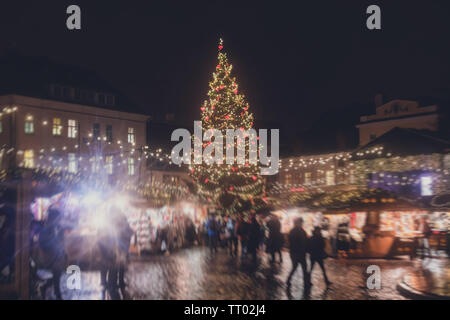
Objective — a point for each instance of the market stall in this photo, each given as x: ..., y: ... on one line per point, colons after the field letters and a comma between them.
x: 382, y: 227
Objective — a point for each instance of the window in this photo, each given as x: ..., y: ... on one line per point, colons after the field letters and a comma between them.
x: 29, y: 124
x: 67, y: 93
x: 352, y: 177
x: 101, y: 99
x: 96, y: 130
x: 72, y: 129
x: 131, y: 166
x: 57, y: 91
x: 109, y: 165
x: 73, y: 165
x: 57, y: 127
x: 288, y: 178
x: 426, y: 183
x: 110, y: 100
x: 95, y: 165
x: 330, y: 178
x: 109, y: 135
x: 307, y: 177
x: 131, y: 136
x: 28, y: 159
x: 77, y: 94
x: 372, y: 136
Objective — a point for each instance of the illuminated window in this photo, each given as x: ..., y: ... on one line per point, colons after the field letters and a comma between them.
x: 28, y: 159
x: 72, y: 129
x: 131, y: 166
x: 288, y: 178
x: 95, y: 165
x: 109, y: 164
x: 29, y: 124
x: 57, y: 127
x: 73, y: 165
x: 426, y: 183
x: 307, y: 177
x: 131, y: 136
x: 352, y: 177
x: 330, y: 178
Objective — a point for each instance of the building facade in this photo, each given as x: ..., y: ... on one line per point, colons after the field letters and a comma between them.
x: 397, y: 113
x: 42, y: 133
x: 331, y: 171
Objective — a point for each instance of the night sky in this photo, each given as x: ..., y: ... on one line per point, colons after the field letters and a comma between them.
x: 294, y: 60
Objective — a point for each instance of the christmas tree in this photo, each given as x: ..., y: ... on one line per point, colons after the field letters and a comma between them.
x: 234, y: 187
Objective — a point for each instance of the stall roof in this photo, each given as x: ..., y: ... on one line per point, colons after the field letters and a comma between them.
x: 361, y: 199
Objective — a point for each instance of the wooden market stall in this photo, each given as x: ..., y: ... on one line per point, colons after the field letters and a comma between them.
x: 380, y: 227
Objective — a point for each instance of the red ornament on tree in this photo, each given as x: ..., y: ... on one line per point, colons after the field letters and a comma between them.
x: 220, y: 47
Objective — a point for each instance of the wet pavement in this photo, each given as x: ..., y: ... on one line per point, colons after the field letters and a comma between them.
x: 195, y: 273
x: 430, y: 280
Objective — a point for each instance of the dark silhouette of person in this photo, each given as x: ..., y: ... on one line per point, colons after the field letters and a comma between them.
x: 254, y: 237
x: 6, y: 239
x: 298, y: 241
x: 426, y: 234
x: 213, y: 233
x: 317, y: 252
x: 124, y: 234
x: 275, y: 239
x: 191, y: 234
x: 242, y: 234
x: 232, y: 237
x: 114, y: 243
x: 51, y: 242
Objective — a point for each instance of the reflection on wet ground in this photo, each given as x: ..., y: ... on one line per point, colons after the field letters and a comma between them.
x: 195, y: 273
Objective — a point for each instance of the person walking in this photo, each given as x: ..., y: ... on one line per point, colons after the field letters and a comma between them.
x: 254, y: 237
x: 317, y: 253
x: 426, y: 234
x: 213, y: 233
x: 275, y: 239
x: 124, y: 234
x: 298, y: 241
x: 232, y: 237
x: 242, y: 234
x: 51, y: 243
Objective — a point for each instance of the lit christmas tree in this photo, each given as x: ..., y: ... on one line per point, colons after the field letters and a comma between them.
x: 236, y: 188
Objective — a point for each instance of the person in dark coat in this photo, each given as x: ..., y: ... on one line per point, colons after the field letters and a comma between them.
x: 298, y: 241
x: 254, y: 236
x: 275, y: 240
x: 242, y: 229
x: 51, y: 243
x: 213, y: 233
x: 317, y: 252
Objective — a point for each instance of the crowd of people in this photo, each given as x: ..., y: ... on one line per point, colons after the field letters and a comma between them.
x: 248, y: 237
x: 257, y: 235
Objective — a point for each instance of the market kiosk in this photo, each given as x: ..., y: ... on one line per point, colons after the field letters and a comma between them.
x: 381, y: 227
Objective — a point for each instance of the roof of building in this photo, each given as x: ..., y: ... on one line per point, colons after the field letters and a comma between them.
x: 33, y: 77
x: 403, y: 142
